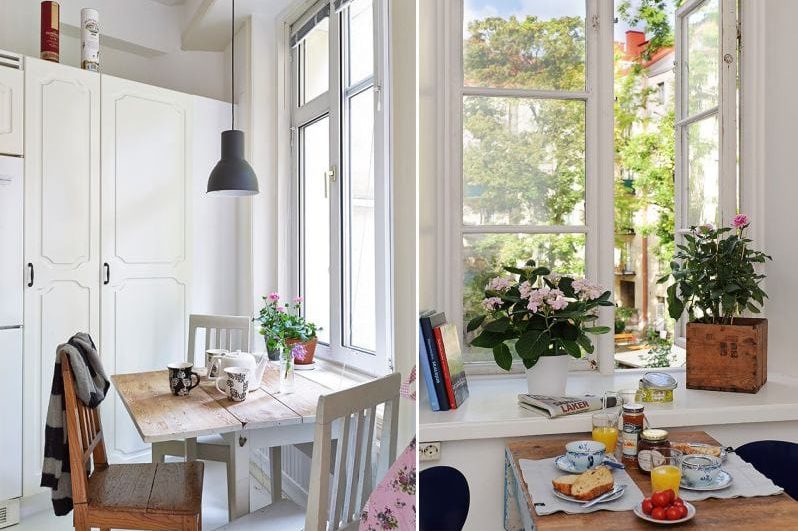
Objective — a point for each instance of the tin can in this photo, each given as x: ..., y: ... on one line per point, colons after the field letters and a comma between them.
x: 657, y: 387
x: 50, y: 37
x: 89, y: 39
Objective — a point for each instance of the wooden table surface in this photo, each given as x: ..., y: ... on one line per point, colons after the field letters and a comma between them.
x: 160, y: 416
x: 763, y: 512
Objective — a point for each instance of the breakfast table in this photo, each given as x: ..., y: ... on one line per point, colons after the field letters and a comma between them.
x: 266, y: 419
x: 765, y: 512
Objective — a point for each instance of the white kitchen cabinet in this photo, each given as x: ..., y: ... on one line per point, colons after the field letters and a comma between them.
x: 11, y: 88
x: 62, y: 232
x: 146, y: 238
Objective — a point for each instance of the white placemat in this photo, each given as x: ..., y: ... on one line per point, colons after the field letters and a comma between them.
x: 747, y: 482
x: 538, y: 474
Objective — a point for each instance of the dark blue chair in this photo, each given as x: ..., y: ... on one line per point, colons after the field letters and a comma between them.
x: 778, y: 460
x: 444, y: 499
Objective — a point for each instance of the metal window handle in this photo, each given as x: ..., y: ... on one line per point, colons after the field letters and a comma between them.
x: 30, y: 269
x: 107, y: 273
x: 329, y: 177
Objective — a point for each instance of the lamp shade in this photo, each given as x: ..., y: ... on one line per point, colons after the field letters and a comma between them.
x: 232, y: 175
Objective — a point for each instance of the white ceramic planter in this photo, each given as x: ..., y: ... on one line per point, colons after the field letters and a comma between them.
x: 548, y: 376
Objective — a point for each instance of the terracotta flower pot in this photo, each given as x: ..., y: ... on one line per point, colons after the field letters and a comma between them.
x: 310, y: 350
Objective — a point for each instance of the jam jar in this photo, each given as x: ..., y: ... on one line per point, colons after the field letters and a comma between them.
x: 633, y: 420
x: 654, y: 444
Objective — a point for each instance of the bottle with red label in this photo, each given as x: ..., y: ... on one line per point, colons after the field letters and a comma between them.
x: 50, y: 31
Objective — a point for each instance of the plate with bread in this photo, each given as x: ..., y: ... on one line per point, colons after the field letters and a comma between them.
x: 587, y: 486
x: 695, y: 448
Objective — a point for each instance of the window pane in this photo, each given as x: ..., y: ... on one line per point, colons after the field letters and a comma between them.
x: 523, y: 161
x: 521, y: 44
x: 703, y: 57
x: 315, y: 224
x: 360, y: 252
x: 703, y: 169
x: 485, y: 254
x: 361, y: 40
x: 315, y: 69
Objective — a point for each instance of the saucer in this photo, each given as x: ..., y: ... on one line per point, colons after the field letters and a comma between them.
x: 614, y: 496
x: 565, y: 465
x: 723, y: 480
x: 638, y: 510
x: 305, y: 366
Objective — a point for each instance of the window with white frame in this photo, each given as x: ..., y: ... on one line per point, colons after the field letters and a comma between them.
x: 534, y: 87
x: 340, y: 179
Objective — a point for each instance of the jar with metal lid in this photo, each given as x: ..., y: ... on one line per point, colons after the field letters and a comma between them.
x: 653, y: 444
x: 657, y: 387
x: 633, y: 420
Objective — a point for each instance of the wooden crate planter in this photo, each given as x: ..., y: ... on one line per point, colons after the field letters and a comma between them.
x: 728, y: 357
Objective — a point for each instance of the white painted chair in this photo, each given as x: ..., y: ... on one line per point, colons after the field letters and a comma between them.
x: 228, y: 332
x: 341, y: 483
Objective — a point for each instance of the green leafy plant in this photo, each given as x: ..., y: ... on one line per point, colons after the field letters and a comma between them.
x: 538, y: 313
x: 715, y: 275
x: 281, y: 322
x: 622, y: 316
x: 660, y: 353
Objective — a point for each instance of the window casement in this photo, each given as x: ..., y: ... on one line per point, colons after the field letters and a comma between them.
x: 707, y: 56
x: 340, y: 179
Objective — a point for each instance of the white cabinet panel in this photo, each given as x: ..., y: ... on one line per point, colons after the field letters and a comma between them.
x: 62, y: 231
x: 11, y: 86
x: 146, y: 172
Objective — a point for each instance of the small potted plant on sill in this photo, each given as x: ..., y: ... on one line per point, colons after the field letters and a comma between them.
x: 285, y: 329
x: 544, y: 317
x: 716, y: 280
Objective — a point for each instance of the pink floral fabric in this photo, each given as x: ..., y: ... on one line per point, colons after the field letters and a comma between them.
x: 392, y: 505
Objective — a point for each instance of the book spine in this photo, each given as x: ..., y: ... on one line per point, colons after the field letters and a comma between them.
x: 435, y: 363
x: 426, y: 372
x: 447, y: 378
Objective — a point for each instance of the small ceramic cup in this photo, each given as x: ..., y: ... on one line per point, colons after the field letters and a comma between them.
x: 700, y: 470
x: 210, y: 355
x: 584, y: 455
x: 182, y: 378
x: 236, y: 383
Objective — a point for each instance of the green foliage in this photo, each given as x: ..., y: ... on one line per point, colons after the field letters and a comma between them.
x: 559, y: 323
x: 660, y: 352
x: 281, y: 322
x: 715, y: 276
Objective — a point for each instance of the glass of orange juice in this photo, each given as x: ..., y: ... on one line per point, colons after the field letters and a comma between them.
x: 667, y: 475
x: 605, y: 430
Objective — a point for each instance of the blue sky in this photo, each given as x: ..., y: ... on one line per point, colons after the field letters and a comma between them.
x: 521, y: 8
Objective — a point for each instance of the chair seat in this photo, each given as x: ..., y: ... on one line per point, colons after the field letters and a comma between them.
x: 166, y: 488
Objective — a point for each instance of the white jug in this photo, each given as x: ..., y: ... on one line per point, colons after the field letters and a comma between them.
x: 244, y: 360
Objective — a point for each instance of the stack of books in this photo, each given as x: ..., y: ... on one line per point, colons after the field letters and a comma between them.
x: 441, y: 362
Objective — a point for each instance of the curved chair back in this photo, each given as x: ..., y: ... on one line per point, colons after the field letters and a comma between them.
x: 443, y: 499
x: 778, y: 460
x: 230, y: 332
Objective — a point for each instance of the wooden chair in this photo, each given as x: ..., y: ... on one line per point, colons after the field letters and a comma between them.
x: 132, y: 496
x: 228, y: 332
x: 336, y: 504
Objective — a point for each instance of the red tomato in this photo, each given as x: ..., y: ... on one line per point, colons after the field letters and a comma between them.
x: 673, y: 513
x: 660, y: 499
x: 677, y: 501
x: 682, y: 511
x: 658, y: 513
x: 671, y: 495
x: 647, y: 506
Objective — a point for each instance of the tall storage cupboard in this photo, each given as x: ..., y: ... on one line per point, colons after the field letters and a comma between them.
x: 107, y: 235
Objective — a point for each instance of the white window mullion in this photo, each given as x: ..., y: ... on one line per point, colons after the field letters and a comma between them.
x: 336, y: 187
x: 728, y: 112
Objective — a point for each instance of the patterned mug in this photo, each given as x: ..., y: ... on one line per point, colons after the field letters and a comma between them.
x: 236, y: 383
x: 181, y: 378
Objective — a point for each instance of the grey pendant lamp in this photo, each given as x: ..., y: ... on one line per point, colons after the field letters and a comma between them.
x: 232, y: 175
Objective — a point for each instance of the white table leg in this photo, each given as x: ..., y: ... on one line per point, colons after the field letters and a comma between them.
x: 276, y: 473
x: 238, y: 488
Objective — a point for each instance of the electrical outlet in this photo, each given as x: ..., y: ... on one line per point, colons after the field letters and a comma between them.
x: 430, y: 451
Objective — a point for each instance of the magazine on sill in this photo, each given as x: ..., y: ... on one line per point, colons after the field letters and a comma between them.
x: 557, y: 406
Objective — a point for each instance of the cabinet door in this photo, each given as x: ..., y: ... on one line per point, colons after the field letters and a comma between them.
x: 62, y: 231
x: 146, y: 183
x: 10, y: 111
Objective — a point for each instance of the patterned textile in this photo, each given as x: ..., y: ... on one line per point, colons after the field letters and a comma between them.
x: 392, y: 505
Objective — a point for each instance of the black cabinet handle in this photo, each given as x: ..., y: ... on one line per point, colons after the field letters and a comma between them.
x: 107, y: 273
x: 30, y: 269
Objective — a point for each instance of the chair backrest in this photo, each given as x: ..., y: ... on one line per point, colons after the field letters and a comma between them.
x: 229, y: 332
x: 335, y: 503
x: 444, y: 499
x: 777, y: 460
x: 84, y: 433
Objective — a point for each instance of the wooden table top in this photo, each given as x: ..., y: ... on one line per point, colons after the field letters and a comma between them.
x: 765, y: 512
x: 160, y: 416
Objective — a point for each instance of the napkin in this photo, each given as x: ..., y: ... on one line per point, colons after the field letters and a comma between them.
x: 538, y: 474
x: 747, y: 482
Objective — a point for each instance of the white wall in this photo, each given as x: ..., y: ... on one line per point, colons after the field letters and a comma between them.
x: 139, y: 40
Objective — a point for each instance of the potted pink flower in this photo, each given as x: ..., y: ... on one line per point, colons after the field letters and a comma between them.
x: 286, y: 330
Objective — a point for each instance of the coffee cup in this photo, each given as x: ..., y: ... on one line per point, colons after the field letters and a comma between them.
x: 181, y: 378
x: 235, y: 381
x: 210, y: 355
x: 700, y: 470
x: 584, y: 455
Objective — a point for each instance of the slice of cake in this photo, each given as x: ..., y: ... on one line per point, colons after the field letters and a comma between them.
x: 564, y: 483
x: 592, y: 483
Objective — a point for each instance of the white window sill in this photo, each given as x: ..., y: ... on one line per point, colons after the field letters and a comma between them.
x: 492, y: 410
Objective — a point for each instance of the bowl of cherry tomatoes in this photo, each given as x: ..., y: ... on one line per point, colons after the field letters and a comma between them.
x: 665, y: 507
